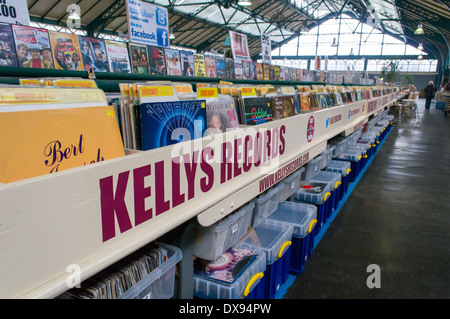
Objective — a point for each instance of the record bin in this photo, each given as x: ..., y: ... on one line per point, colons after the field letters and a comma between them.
x: 353, y: 156
x: 160, y: 283
x: 316, y: 194
x: 344, y: 168
x: 275, y: 239
x: 212, y: 241
x: 237, y: 274
x: 148, y: 273
x: 334, y: 182
x: 303, y: 217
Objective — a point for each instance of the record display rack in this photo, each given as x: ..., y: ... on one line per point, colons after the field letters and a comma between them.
x: 109, y: 81
x: 72, y: 224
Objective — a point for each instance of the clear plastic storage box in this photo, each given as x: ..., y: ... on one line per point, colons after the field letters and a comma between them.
x: 291, y: 184
x: 210, y: 242
x: 334, y: 181
x: 275, y: 239
x: 353, y: 156
x: 303, y: 217
x: 236, y: 274
x: 316, y: 194
x: 340, y: 144
x: 265, y: 205
x: 327, y: 156
x: 160, y: 283
x: 312, y: 168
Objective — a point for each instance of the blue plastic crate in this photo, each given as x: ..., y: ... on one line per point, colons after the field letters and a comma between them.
x: 317, y: 194
x: 303, y: 217
x: 353, y: 156
x: 334, y: 181
x: 275, y: 239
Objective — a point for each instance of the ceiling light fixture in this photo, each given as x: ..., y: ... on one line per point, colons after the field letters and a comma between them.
x: 420, y: 57
x: 73, y: 12
x: 420, y: 47
x: 244, y: 2
x: 171, y: 35
x: 419, y: 29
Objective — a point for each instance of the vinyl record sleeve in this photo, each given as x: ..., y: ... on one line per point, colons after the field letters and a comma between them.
x: 53, y: 140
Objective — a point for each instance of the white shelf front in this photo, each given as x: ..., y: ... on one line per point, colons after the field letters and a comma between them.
x: 59, y: 229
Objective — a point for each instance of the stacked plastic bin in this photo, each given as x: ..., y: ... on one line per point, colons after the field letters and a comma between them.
x: 353, y: 156
x: 365, y: 147
x: 373, y: 137
x: 265, y: 204
x: 303, y: 218
x: 334, y: 181
x: 290, y: 184
x: 340, y: 145
x: 211, y: 242
x: 159, y: 283
x: 316, y: 194
x: 343, y: 168
x: 327, y: 156
x: 237, y: 274
x: 274, y: 238
x: 312, y: 168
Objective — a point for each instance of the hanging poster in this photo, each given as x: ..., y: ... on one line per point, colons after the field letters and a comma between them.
x: 147, y: 23
x: 266, y: 49
x: 239, y: 46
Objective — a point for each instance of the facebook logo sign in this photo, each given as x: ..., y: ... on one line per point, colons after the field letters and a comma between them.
x: 162, y: 37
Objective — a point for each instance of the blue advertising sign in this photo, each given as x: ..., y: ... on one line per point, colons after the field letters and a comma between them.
x: 147, y: 24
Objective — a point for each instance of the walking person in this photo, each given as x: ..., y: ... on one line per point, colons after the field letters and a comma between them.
x: 430, y: 90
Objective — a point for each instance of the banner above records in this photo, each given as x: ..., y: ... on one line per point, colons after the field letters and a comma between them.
x: 147, y: 23
x: 239, y: 46
x: 14, y: 12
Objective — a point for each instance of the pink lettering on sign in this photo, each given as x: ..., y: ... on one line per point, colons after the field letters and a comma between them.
x: 188, y: 174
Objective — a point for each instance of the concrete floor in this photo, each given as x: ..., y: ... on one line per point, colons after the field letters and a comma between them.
x: 397, y: 217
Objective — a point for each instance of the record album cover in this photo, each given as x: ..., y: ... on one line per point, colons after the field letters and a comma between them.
x: 187, y: 63
x: 282, y: 106
x: 7, y: 48
x: 66, y: 51
x: 259, y: 71
x: 118, y: 58
x: 199, y: 64
x: 220, y: 67
x: 238, y: 69
x: 221, y: 116
x: 167, y: 123
x: 305, y: 101
x: 229, y: 67
x: 173, y: 62
x: 139, y: 58
x: 256, y: 110
x: 33, y: 47
x: 52, y: 140
x: 93, y: 54
x: 157, y: 59
x: 228, y: 267
x: 210, y: 65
